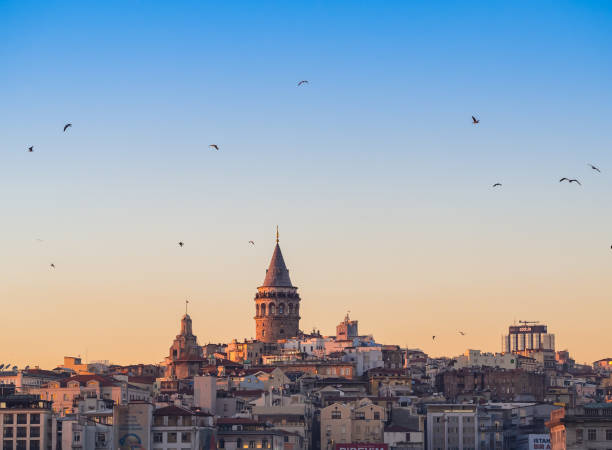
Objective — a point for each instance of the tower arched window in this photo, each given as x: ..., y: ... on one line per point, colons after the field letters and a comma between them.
x: 256, y: 310
x: 281, y: 308
x: 282, y: 331
x: 272, y: 309
x: 290, y: 308
x: 263, y: 309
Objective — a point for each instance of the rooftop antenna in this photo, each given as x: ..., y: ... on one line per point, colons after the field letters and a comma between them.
x: 277, y: 234
x: 186, y: 304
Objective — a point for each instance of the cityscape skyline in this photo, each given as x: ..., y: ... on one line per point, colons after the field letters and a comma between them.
x: 459, y: 336
x: 379, y: 179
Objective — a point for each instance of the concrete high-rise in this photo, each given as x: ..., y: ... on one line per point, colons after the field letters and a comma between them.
x: 527, y: 337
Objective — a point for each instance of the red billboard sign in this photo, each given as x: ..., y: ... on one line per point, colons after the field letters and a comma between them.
x: 358, y: 446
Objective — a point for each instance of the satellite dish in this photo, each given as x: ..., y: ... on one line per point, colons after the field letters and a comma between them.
x: 1, y: 366
x: 26, y: 368
x: 14, y: 367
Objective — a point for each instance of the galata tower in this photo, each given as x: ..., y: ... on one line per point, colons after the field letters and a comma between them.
x: 277, y: 303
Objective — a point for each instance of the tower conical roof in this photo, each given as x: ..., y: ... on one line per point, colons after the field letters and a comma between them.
x: 277, y: 274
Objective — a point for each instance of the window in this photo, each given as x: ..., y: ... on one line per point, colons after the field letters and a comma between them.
x: 263, y: 310
x: 185, y: 437
x: 34, y: 418
x: 158, y: 421
x: 238, y: 443
x: 8, y: 419
x: 360, y: 415
x: 21, y: 445
x: 251, y: 444
x: 272, y: 308
x: 35, y: 432
x: 609, y: 435
x: 66, y: 397
x: 282, y: 331
x: 8, y: 432
x: 22, y: 419
x: 34, y: 444
x: 172, y: 437
x: 579, y: 435
x: 336, y: 414
x: 407, y: 437
x: 281, y: 308
x: 376, y: 415
x: 22, y: 432
x: 592, y: 434
x: 265, y: 443
x: 76, y: 437
x: 286, y: 438
x: 158, y: 438
x: 221, y: 443
x: 172, y: 421
x: 7, y: 445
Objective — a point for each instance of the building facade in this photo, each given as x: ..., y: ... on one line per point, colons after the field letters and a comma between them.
x: 26, y: 423
x: 277, y: 303
x: 361, y: 421
x: 585, y: 427
x: 528, y: 336
x: 185, y: 356
x: 452, y: 426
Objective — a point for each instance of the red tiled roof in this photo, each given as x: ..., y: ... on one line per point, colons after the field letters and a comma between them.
x: 173, y: 411
x: 44, y: 373
x: 84, y: 379
x: 142, y: 379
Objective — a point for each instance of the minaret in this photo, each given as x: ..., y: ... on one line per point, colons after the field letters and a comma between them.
x: 277, y: 303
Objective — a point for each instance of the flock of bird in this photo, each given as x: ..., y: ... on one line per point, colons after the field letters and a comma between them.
x: 475, y: 121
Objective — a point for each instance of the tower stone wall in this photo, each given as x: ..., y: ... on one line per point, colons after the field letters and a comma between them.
x: 277, y: 303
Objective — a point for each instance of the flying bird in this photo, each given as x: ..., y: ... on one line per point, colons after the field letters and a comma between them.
x: 31, y: 149
x: 462, y: 333
x: 52, y: 265
x: 497, y: 184
x: 68, y: 125
x: 433, y: 338
x: 594, y: 168
x: 181, y: 244
x: 570, y: 180
x: 475, y: 120
x: 302, y: 82
x: 214, y: 146
x: 251, y: 242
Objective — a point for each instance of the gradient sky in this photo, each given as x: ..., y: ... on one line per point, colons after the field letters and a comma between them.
x: 379, y: 182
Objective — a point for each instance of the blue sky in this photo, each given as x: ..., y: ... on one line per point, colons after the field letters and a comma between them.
x: 374, y: 172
